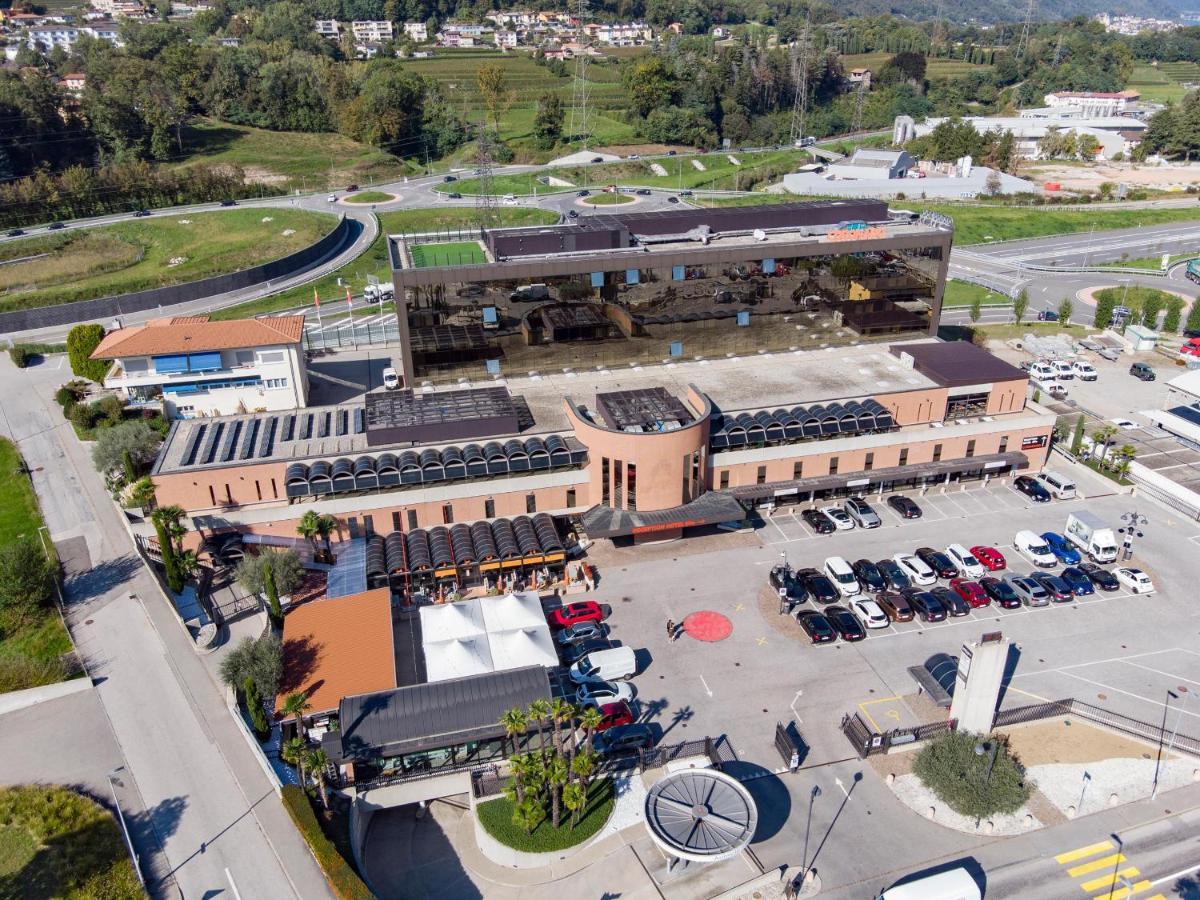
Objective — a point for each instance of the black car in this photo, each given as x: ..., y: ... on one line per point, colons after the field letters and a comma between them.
x: 141, y: 213
x: 56, y: 226
x: 925, y: 605
x: 624, y: 739
x: 583, y: 193
x: 938, y: 561
x: 819, y: 587
x: 685, y: 193
x: 817, y: 522
x: 670, y: 153
x: 597, y: 159
x: 817, y: 627
x: 783, y: 578
x: 1059, y: 590
x: 643, y: 192
x: 454, y: 195
x: 869, y: 576
x: 903, y: 505
x: 845, y: 623
x: 1100, y: 576
x: 1077, y: 580
x: 893, y: 574
x: 352, y: 187
x: 572, y: 653
x: 14, y: 232
x: 1031, y: 489
x: 672, y: 199
x: 1001, y: 592
x: 954, y: 604
x: 229, y: 203
x: 448, y: 178
x: 573, y: 214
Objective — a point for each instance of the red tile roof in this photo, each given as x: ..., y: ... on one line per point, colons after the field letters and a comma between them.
x: 186, y: 334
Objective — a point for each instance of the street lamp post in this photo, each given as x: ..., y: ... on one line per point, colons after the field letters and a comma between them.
x: 1133, y: 520
x: 1174, y: 731
x: 113, y: 781
x: 812, y: 796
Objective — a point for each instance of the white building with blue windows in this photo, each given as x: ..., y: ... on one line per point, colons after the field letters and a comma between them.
x: 197, y: 367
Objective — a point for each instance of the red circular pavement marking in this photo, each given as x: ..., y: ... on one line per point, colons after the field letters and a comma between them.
x: 708, y: 626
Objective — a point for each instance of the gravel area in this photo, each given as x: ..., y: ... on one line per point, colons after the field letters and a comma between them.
x: 628, y: 809
x: 1129, y: 779
x: 912, y: 793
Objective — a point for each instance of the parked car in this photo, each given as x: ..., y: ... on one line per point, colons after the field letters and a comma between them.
x: 941, y: 564
x: 584, y: 611
x: 1000, y: 591
x: 601, y: 693
x: 1047, y: 315
x: 597, y: 159
x: 991, y: 558
x: 573, y: 214
x: 860, y: 511
x: 391, y: 378
x: 1059, y: 590
x: 819, y: 587
x: 1035, y: 549
x: 785, y: 584
x: 818, y: 521
x: 869, y: 613
x: 1099, y: 576
x: 1059, y: 486
x: 572, y: 653
x: 1084, y: 371
x: 672, y: 199
x: 971, y: 591
x: 842, y: 576
x: 583, y: 193
x: 868, y: 575
x: 817, y: 627
x: 838, y: 517
x: 1030, y: 592
x: 925, y: 605
x: 893, y: 575
x: 845, y: 623
x: 1064, y: 370
x: 953, y: 604
x: 454, y: 195
x: 1031, y: 489
x: 624, y: 739
x: 642, y: 192
x: 614, y: 664
x: 965, y: 561
x: 1042, y: 371
x: 449, y: 178
x: 1142, y: 372
x: 906, y: 507
x: 1063, y: 549
x: 895, y: 606
x: 614, y: 715
x: 332, y: 198
x: 351, y: 187
x: 586, y: 630
x: 915, y: 568
x: 1134, y: 580
x: 1077, y: 581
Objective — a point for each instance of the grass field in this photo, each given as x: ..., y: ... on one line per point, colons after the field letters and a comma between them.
x: 1155, y: 85
x: 369, y: 197
x: 290, y: 159
x: 607, y: 199
x: 148, y: 253
x: 57, y: 843
x: 984, y: 224
x: 1153, y: 263
x: 375, y: 260
x: 935, y: 67
x: 963, y: 294
x: 454, y: 253
x: 496, y: 818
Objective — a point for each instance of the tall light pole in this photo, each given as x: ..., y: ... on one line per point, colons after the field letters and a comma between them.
x: 113, y: 781
x: 1133, y: 521
x: 812, y: 796
x: 1174, y: 731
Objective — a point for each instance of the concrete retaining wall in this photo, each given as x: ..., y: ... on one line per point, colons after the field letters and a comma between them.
x: 14, y: 700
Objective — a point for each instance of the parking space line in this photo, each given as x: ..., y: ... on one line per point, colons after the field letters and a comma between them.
x: 863, y: 707
x: 1161, y: 672
x: 1109, y: 687
x: 1038, y: 697
x: 1111, y: 659
x: 777, y: 528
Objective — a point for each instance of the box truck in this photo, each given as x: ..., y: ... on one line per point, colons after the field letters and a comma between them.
x: 1092, y: 536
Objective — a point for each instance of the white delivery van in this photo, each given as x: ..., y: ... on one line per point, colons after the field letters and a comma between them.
x: 391, y: 379
x: 1034, y: 549
x: 1041, y: 371
x: 1091, y: 535
x: 527, y: 292
x: 956, y: 884
x: 377, y: 293
x: 1060, y: 486
x: 616, y: 664
x: 842, y: 576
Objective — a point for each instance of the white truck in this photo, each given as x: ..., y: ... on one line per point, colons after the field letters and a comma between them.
x: 527, y: 292
x: 377, y: 293
x: 1092, y: 536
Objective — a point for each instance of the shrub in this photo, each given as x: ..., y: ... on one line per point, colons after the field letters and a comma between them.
x: 254, y: 706
x: 81, y: 341
x: 65, y: 397
x: 137, y: 438
x: 496, y: 817
x: 950, y: 767
x: 82, y: 415
x: 19, y: 356
x: 1174, y: 311
x: 26, y: 576
x: 342, y: 878
x: 112, y: 408
x: 260, y: 660
x: 285, y: 567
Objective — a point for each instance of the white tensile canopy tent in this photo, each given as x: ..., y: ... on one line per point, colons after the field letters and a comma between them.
x: 512, y: 611
x: 451, y: 621
x: 485, y: 634
x: 522, y: 647
x: 458, y: 658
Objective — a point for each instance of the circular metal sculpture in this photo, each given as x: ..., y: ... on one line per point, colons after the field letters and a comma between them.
x: 701, y: 815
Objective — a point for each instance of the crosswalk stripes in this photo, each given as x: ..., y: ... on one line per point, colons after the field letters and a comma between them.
x: 1102, y: 867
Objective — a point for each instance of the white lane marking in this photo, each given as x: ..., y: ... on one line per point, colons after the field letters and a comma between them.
x: 1174, y: 875
x: 707, y: 689
x: 1109, y: 687
x: 1161, y: 672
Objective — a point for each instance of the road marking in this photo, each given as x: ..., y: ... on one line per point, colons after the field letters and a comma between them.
x: 1096, y: 865
x: 1083, y: 852
x: 707, y: 689
x: 762, y: 641
x: 739, y: 607
x: 1109, y: 687
x: 1161, y: 672
x: 1108, y: 880
x: 1175, y: 875
x: 863, y: 707
x: 1122, y: 893
x: 792, y: 707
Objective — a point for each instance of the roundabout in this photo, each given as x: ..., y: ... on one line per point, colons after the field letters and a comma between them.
x: 607, y: 199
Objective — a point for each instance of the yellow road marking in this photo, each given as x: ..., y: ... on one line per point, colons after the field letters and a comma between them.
x: 1111, y: 878
x: 863, y: 707
x: 1027, y: 694
x: 762, y: 642
x: 1122, y: 893
x: 1096, y: 865
x: 1083, y: 852
x: 739, y: 607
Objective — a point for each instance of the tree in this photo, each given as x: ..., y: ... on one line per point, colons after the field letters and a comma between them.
x: 82, y: 340
x: 269, y: 574
x: 514, y: 723
x: 1106, y: 302
x: 1077, y: 436
x: 260, y: 660
x: 1020, y: 305
x: 574, y: 799
x: 1174, y: 311
x: 970, y: 783
x: 975, y: 310
x: 134, y: 440
x: 1102, y: 436
x: 317, y: 760
x: 589, y: 720
x: 1193, y: 318
x: 296, y: 704
x: 649, y: 84
x: 254, y: 706
x: 273, y: 608
x: 313, y: 525
x: 548, y: 121
x: 528, y: 815
x: 556, y: 780
x: 26, y: 577
x: 1065, y: 307
x: 1123, y: 459
x: 1151, y: 307
x: 493, y: 86
x: 992, y: 183
x: 539, y: 713
x: 389, y: 108
x: 166, y: 522
x: 295, y: 752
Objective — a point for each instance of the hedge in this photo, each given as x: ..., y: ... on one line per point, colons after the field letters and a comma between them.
x: 81, y: 341
x: 342, y: 878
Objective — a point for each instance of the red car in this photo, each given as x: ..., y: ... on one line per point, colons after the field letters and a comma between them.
x: 586, y: 611
x: 1191, y: 348
x: 614, y: 714
x: 971, y: 591
x: 991, y: 558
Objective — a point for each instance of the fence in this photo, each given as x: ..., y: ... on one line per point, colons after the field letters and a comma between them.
x: 351, y: 333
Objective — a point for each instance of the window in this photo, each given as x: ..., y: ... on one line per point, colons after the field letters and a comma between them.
x: 869, y: 462
x: 257, y: 488
x: 697, y: 484
x: 447, y: 513
x: 395, y: 520
x: 412, y: 520
x: 531, y: 503
x: 937, y: 452
x: 212, y: 495
x: 618, y: 483
x: 274, y: 489
x: 970, y: 448
x: 604, y: 494
x: 724, y: 479
x: 1003, y: 444
x: 270, y: 356
x: 368, y: 525
x: 798, y: 469
x: 276, y: 383
x: 761, y: 476
x: 571, y: 498
x: 833, y: 465
x: 489, y: 508
x: 631, y: 487
x: 243, y: 357
x: 904, y: 457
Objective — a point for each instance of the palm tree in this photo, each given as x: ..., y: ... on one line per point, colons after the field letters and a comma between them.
x: 1124, y: 458
x: 556, y: 777
x: 515, y: 721
x: 295, y: 752
x: 170, y: 517
x: 313, y: 525
x: 574, y: 798
x: 528, y: 815
x: 297, y: 705
x: 584, y: 767
x: 1102, y: 435
x: 539, y: 713
x: 560, y: 711
x: 317, y: 761
x: 518, y: 764
x: 590, y: 720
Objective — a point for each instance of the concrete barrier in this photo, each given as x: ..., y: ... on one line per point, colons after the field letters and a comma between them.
x: 14, y: 700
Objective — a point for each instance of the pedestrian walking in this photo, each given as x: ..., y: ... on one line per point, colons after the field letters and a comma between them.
x: 670, y: 629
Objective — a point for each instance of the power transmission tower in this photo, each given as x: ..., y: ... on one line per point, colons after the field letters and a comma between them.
x: 578, y: 124
x: 486, y: 212
x: 800, y: 104
x: 1023, y: 42
x: 859, y: 101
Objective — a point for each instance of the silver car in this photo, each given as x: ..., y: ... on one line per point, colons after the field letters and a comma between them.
x: 862, y: 514
x: 1030, y: 592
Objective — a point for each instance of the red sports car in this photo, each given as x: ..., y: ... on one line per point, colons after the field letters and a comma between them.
x: 971, y: 591
x: 991, y: 558
x: 585, y: 611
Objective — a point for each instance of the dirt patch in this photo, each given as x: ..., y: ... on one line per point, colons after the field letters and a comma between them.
x: 897, y: 764
x: 768, y: 610
x: 1043, y: 810
x: 259, y: 175
x: 1070, y: 740
x: 926, y: 711
x: 1089, y: 178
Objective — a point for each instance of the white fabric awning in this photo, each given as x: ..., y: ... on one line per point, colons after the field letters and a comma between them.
x: 457, y: 658
x: 486, y: 634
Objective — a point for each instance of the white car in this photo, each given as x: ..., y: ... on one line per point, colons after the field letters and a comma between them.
x: 599, y: 693
x: 1125, y: 424
x: 914, y: 567
x: 869, y: 613
x: 1063, y: 369
x: 1035, y: 549
x: 1043, y: 372
x: 1084, y: 371
x: 1134, y: 580
x: 838, y: 517
x: 391, y: 379
x: 968, y: 565
x: 839, y: 572
x: 332, y: 198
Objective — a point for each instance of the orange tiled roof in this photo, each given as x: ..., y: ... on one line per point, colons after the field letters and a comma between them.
x: 338, y: 647
x: 186, y: 334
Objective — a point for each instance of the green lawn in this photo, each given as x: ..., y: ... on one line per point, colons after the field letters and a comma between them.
x: 496, y: 818
x: 607, y: 199
x: 57, y: 843
x: 935, y: 67
x: 1155, y: 85
x: 291, y: 159
x: 963, y: 293
x: 148, y: 253
x: 369, y: 197
x: 984, y: 224
x: 452, y: 253
x: 1153, y: 263
x: 19, y: 513
x: 375, y: 260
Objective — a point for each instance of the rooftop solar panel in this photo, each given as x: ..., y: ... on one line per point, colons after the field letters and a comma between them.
x: 214, y: 439
x: 359, y: 423
x: 229, y: 444
x: 266, y: 442
x: 193, y: 444
x: 287, y: 431
x: 249, y: 437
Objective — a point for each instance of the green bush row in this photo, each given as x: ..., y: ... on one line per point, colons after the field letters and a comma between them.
x: 344, y: 880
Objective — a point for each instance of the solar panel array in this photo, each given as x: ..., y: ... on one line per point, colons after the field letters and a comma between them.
x: 799, y: 423
x: 257, y: 437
